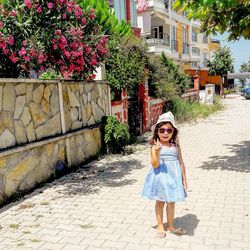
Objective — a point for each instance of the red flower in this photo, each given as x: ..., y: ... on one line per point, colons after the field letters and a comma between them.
x: 28, y: 4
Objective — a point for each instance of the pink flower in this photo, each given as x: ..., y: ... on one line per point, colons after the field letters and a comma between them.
x: 41, y: 68
x: 22, y: 51
x: 12, y: 13
x: 93, y: 62
x: 40, y: 58
x: 71, y: 67
x: 72, y: 32
x: 73, y: 45
x: 58, y: 32
x: 33, y: 52
x: 39, y: 9
x: 5, y: 51
x: 11, y: 40
x: 25, y: 42
x: 63, y: 40
x: 26, y: 58
x: 28, y: 4
x: 84, y: 21
x: 1, y: 25
x: 88, y: 50
x: 12, y: 57
x: 50, y: 5
x: 69, y: 9
x: 66, y: 53
x: 64, y: 16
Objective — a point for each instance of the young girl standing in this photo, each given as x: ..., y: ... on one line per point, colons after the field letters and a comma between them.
x: 166, y: 179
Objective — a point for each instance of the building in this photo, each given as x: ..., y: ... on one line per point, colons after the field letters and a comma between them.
x: 126, y: 10
x: 168, y: 31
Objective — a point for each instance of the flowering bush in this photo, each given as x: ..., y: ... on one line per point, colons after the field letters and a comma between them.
x: 55, y: 34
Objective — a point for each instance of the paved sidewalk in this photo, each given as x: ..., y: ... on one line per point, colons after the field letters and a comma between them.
x: 100, y: 207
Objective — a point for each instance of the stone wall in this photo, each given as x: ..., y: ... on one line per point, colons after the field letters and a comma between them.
x: 42, y: 122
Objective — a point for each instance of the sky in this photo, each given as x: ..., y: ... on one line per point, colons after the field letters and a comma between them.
x: 240, y: 50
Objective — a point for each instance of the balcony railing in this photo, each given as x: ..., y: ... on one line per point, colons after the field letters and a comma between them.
x: 186, y: 49
x: 157, y: 39
x: 174, y: 45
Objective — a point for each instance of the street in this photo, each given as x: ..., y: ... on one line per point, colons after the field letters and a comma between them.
x: 99, y: 206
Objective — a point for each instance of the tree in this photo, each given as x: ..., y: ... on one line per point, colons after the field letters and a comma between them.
x: 221, y: 64
x: 219, y: 16
x: 244, y: 67
x: 125, y: 64
x: 105, y: 17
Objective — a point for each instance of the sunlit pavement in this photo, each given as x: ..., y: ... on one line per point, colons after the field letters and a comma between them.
x: 99, y: 206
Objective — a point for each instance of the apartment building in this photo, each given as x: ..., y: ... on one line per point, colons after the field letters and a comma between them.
x: 126, y: 10
x: 168, y: 31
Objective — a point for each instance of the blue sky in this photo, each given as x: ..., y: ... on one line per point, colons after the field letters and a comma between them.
x: 240, y: 50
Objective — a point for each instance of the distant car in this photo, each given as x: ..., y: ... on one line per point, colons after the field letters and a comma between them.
x: 246, y: 91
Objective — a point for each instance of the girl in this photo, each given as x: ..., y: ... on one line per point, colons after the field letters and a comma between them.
x: 166, y: 180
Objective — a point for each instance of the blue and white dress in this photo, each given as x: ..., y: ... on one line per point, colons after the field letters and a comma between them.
x: 165, y: 182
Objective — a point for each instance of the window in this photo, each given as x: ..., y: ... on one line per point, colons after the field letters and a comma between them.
x: 196, y: 51
x: 157, y: 32
x: 195, y: 64
x: 174, y: 42
x: 184, y: 13
x: 194, y: 35
x: 133, y: 13
x: 120, y: 9
x: 184, y: 34
x: 205, y: 39
x: 205, y: 59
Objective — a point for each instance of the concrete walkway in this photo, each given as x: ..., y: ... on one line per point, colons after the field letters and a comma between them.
x: 99, y: 206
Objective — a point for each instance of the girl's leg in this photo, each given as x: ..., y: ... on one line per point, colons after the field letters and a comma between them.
x: 170, y: 218
x: 170, y: 215
x: 159, y: 205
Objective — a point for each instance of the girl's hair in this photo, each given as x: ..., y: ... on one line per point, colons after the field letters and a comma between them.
x: 173, y: 139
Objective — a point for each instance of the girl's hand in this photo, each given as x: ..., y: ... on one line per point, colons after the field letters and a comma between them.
x: 184, y: 182
x: 157, y: 146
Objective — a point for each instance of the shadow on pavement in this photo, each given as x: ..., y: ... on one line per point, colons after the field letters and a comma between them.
x: 87, y: 179
x: 92, y: 178
x: 239, y: 161
x: 188, y: 222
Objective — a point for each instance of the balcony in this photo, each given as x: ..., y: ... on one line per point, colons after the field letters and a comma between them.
x: 157, y: 39
x: 158, y: 43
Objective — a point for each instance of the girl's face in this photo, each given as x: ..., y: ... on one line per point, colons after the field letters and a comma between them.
x: 165, y: 132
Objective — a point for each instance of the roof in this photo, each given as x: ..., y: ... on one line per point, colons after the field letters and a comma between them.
x: 238, y: 75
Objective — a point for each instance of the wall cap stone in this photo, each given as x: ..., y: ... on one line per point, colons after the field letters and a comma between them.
x: 21, y: 80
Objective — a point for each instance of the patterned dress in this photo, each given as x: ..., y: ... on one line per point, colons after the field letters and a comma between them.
x: 165, y: 182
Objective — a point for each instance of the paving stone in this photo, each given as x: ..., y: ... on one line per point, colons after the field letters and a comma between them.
x: 102, y: 208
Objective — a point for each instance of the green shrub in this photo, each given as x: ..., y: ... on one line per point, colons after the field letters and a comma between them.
x: 185, y: 111
x: 116, y: 135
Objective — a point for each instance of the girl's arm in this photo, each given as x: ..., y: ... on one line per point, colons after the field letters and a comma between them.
x: 155, y: 156
x: 183, y: 169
